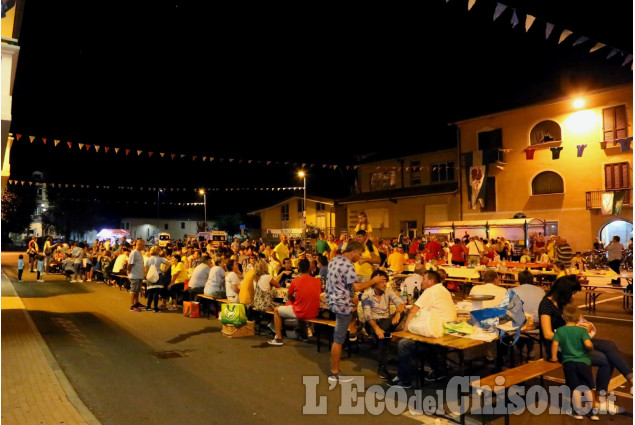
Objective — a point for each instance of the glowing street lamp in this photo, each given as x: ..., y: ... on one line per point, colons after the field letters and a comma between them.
x: 202, y: 192
x: 303, y: 175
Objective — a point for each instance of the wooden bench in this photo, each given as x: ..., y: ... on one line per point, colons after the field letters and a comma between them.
x: 207, y: 300
x: 512, y: 377
x: 591, y: 296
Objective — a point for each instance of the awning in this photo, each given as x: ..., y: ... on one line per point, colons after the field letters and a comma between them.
x: 513, y: 228
x: 112, y: 233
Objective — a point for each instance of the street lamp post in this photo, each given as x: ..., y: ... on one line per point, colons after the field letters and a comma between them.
x: 303, y: 175
x: 202, y: 192
x: 158, y: 206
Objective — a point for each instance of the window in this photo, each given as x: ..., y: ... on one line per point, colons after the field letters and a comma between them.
x: 490, y: 194
x: 545, y: 131
x: 284, y: 212
x: 442, y: 172
x: 39, y: 192
x: 127, y: 225
x: 490, y: 142
x: 165, y: 226
x: 415, y: 174
x: 614, y: 123
x: 300, y: 205
x: 618, y: 176
x: 382, y: 180
x: 320, y: 206
x: 547, y: 182
x: 182, y: 225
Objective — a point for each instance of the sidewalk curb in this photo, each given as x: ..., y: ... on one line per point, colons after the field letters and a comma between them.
x: 69, y: 391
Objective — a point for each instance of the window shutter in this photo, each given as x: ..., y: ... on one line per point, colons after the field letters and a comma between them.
x: 624, y: 168
x: 608, y: 176
x: 608, y: 124
x: 620, y: 122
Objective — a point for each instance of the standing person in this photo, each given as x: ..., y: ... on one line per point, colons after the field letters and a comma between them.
x: 397, y: 259
x: 458, y: 253
x: 342, y: 282
x: 136, y: 273
x: 154, y: 289
x: 40, y: 267
x: 363, y: 223
x: 78, y: 255
x: 434, y: 247
x: 20, y: 267
x: 475, y: 250
x: 322, y: 246
x: 333, y: 246
x: 179, y: 276
x: 575, y: 344
x: 614, y: 251
x: 32, y: 250
x: 564, y: 252
x: 48, y: 253
x: 281, y: 251
x: 370, y: 256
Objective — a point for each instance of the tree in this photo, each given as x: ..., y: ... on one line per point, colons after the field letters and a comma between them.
x: 18, y: 206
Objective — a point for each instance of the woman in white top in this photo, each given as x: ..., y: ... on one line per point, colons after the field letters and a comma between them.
x: 232, y: 281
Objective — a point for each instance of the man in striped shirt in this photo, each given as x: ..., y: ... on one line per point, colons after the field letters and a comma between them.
x: 564, y: 253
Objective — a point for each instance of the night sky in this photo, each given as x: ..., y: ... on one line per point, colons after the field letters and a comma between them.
x: 285, y: 83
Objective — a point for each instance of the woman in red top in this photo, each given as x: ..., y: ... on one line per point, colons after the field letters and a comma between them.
x: 458, y: 253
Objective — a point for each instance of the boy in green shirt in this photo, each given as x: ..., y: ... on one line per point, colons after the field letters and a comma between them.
x: 575, y: 343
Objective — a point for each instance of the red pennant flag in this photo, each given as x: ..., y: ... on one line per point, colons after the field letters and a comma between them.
x: 127, y: 152
x: 18, y: 136
x: 88, y: 147
x: 70, y: 145
x: 106, y: 149
x: 194, y: 158
x: 172, y: 155
x: 150, y: 154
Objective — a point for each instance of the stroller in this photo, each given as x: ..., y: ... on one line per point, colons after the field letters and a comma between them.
x: 55, y: 267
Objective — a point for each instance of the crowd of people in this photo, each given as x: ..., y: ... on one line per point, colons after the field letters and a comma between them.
x: 344, y: 273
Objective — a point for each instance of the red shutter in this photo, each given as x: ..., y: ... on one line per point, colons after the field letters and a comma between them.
x: 608, y: 176
x: 609, y: 124
x: 625, y: 174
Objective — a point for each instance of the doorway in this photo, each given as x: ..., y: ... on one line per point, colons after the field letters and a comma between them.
x: 620, y: 228
x: 409, y: 228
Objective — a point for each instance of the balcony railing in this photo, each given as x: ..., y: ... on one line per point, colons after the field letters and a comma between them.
x: 594, y: 198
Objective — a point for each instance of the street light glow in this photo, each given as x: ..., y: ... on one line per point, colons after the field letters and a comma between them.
x: 201, y: 191
x: 578, y: 103
x: 301, y: 173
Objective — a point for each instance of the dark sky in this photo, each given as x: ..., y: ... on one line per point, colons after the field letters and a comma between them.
x: 298, y: 83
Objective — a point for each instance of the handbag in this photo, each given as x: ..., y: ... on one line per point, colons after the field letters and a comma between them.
x: 263, y: 300
x: 153, y: 275
x: 233, y: 314
x: 191, y: 309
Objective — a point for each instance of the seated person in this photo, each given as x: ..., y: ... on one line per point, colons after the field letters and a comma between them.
x: 286, y: 273
x: 490, y: 277
x: 525, y: 258
x: 376, y: 305
x: 304, y: 295
x: 199, y: 277
x: 577, y: 260
x: 531, y: 296
x: 121, y: 262
x: 414, y: 280
x: 436, y: 298
x: 67, y: 266
x: 542, y: 256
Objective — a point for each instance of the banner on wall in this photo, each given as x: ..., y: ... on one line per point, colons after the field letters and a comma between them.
x: 476, y: 173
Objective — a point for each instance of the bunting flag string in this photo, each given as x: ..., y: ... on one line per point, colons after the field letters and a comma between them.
x: 530, y: 20
x: 150, y: 189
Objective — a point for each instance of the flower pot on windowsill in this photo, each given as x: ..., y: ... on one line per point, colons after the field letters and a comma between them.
x: 603, y: 145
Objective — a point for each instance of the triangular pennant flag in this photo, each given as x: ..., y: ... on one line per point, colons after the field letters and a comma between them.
x: 548, y: 29
x: 470, y: 4
x: 231, y: 159
x: 500, y: 8
x: 81, y: 185
x: 19, y: 136
x: 564, y: 35
x: 194, y: 157
x: 324, y: 165
x: 514, y: 20
x: 81, y: 145
x: 88, y: 147
x: 32, y: 138
x: 117, y: 150
x: 66, y: 185
x: 139, y: 153
x: 597, y: 47
x: 127, y: 151
x: 70, y: 145
x: 97, y: 148
x: 150, y: 154
x: 162, y: 154
x: 182, y: 156
x: 204, y: 158
x: 211, y: 158
x: 613, y: 52
x: 249, y: 161
x: 240, y: 161
x: 627, y: 60
x: 580, y: 40
x: 106, y: 149
x: 268, y: 162
x: 529, y: 21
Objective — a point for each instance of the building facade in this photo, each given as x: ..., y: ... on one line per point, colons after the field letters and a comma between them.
x: 567, y: 162
x: 402, y: 194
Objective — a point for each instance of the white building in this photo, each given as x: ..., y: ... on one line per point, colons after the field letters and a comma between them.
x: 149, y: 228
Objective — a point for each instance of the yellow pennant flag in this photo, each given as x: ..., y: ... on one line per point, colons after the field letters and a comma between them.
x: 529, y: 22
x: 564, y: 35
x: 31, y: 138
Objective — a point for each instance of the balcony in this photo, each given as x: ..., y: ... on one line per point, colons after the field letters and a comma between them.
x: 594, y: 198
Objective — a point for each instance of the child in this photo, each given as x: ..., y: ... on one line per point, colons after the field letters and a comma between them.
x: 40, y: 267
x: 577, y: 261
x: 397, y: 259
x: 525, y: 258
x: 20, y: 267
x: 67, y: 266
x: 575, y: 344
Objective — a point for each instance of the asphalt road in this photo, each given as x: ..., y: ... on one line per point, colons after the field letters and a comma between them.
x: 108, y: 355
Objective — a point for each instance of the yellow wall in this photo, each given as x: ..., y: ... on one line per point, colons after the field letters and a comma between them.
x: 7, y: 23
x: 270, y: 218
x: 513, y: 184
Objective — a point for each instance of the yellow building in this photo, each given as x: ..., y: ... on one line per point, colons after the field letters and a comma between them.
x: 558, y: 161
x: 402, y: 194
x: 287, y: 217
